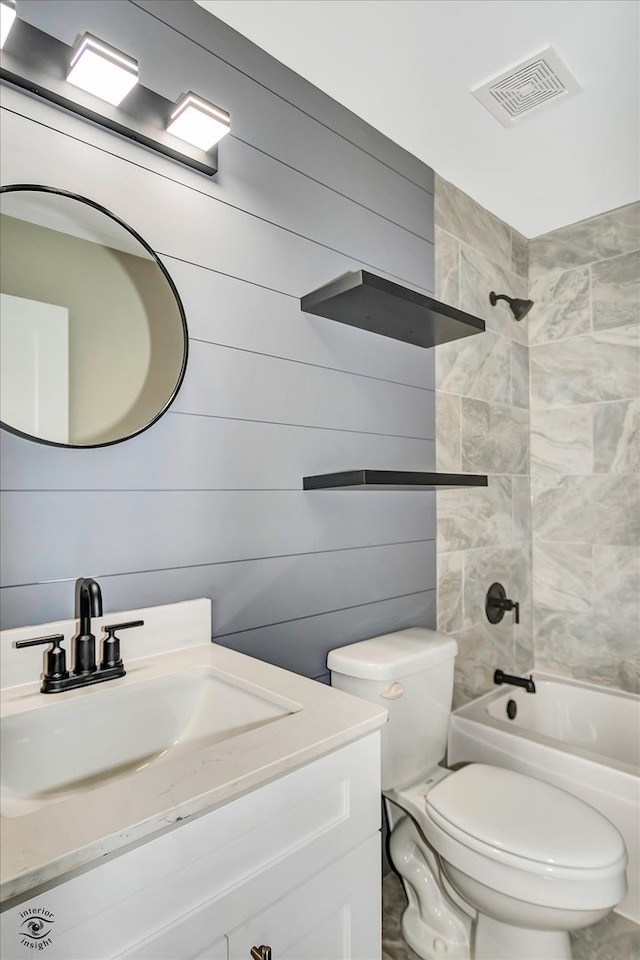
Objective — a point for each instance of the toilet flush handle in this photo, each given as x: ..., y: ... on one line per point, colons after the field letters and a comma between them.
x: 394, y: 692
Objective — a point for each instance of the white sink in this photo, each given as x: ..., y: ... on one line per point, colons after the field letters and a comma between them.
x: 65, y: 747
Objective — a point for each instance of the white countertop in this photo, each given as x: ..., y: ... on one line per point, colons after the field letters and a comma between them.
x: 63, y: 836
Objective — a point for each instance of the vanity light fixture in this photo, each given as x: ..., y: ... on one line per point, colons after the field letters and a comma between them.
x: 43, y: 66
x: 100, y: 69
x: 199, y: 122
x: 7, y: 16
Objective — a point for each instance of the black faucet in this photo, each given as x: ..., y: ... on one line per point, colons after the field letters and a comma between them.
x: 527, y: 682
x: 88, y: 604
x: 56, y: 677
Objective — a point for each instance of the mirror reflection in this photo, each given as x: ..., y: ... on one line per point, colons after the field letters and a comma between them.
x: 93, y: 339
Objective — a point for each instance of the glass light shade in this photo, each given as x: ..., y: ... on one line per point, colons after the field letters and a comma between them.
x: 7, y: 16
x: 198, y: 122
x: 102, y: 70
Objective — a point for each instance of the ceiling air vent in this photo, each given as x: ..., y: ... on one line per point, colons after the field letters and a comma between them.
x: 520, y: 91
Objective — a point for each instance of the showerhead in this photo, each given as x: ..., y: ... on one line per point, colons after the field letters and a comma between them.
x: 519, y: 308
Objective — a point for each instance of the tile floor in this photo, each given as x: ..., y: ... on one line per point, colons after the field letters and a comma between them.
x: 614, y: 938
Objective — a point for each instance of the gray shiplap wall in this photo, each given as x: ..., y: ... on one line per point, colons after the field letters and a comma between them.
x: 208, y: 502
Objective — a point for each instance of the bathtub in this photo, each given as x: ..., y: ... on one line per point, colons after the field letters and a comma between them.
x: 583, y: 738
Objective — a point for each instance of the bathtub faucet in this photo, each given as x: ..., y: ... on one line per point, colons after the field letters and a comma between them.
x: 527, y: 682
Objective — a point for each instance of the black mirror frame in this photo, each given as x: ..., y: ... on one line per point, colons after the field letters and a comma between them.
x: 39, y: 188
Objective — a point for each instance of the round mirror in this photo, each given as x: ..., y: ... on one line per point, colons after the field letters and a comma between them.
x: 93, y: 337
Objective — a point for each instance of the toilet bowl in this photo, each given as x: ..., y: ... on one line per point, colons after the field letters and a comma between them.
x: 496, y: 865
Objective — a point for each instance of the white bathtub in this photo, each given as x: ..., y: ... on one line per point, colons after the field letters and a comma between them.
x: 580, y: 737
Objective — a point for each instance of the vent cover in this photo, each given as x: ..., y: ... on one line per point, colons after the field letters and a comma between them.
x: 527, y: 87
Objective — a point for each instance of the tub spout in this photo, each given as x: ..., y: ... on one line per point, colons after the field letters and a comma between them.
x: 527, y: 682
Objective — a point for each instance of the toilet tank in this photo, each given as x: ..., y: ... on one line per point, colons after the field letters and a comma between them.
x: 410, y: 672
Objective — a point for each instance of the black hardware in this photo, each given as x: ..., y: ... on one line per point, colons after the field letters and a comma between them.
x: 512, y: 709
x: 519, y: 308
x: 55, y: 659
x: 497, y: 603
x: 261, y: 953
x: 88, y: 604
x: 527, y: 682
x: 111, y: 645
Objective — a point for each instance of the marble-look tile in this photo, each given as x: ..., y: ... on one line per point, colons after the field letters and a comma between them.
x: 478, y: 277
x: 562, y: 440
x: 476, y: 517
x: 447, y: 255
x: 607, y: 235
x: 481, y: 650
x: 477, y: 366
x: 509, y: 566
x: 519, y: 254
x: 596, y: 509
x: 615, y: 290
x: 590, y: 648
x: 461, y: 216
x: 629, y: 676
x: 448, y: 455
x: 562, y: 306
x: 617, y: 581
x: 614, y: 938
x: 520, y: 375
x: 495, y: 437
x: 563, y: 576
x: 450, y: 599
x: 521, y: 503
x: 588, y: 369
x: 616, y: 437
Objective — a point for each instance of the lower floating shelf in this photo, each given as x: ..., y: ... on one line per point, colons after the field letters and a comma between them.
x: 391, y: 480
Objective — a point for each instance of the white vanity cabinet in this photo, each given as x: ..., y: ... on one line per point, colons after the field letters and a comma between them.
x: 293, y: 865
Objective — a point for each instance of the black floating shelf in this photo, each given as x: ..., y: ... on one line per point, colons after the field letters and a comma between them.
x: 362, y: 299
x: 391, y: 480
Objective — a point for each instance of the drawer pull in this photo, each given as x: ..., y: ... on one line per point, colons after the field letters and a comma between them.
x: 394, y: 692
x: 261, y: 953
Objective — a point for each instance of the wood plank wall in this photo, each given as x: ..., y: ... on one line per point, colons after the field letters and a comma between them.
x: 208, y: 502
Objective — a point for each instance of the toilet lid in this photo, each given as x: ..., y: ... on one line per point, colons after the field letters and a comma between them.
x: 525, y: 817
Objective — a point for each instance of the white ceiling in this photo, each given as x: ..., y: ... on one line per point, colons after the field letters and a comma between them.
x: 407, y: 66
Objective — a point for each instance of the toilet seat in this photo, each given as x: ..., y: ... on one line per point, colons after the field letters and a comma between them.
x: 458, y: 814
x: 495, y: 811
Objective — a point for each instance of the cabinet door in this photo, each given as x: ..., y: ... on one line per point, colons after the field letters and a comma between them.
x: 333, y: 916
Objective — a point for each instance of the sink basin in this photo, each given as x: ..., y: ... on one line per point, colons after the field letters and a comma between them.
x: 61, y: 748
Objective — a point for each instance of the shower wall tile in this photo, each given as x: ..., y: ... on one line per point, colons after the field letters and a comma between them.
x: 519, y: 376
x: 563, y: 576
x: 598, y: 238
x: 495, y: 438
x: 465, y: 219
x: 599, y: 366
x: 480, y: 517
x: 482, y: 404
x: 562, y: 305
x: 448, y: 448
x: 595, y: 509
x: 616, y: 291
x: 447, y: 268
x: 562, y: 440
x: 478, y: 277
x: 616, y: 576
x: 519, y: 254
x: 616, y: 437
x: 450, y: 586
x: 478, y: 366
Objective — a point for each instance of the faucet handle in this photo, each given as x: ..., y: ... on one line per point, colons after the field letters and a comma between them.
x: 56, y: 662
x: 111, y: 646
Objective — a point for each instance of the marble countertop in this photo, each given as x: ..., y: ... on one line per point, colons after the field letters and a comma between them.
x: 75, y: 831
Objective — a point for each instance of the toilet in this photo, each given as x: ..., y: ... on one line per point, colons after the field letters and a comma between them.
x: 496, y: 865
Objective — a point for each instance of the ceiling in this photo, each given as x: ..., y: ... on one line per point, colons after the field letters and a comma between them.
x: 407, y: 68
